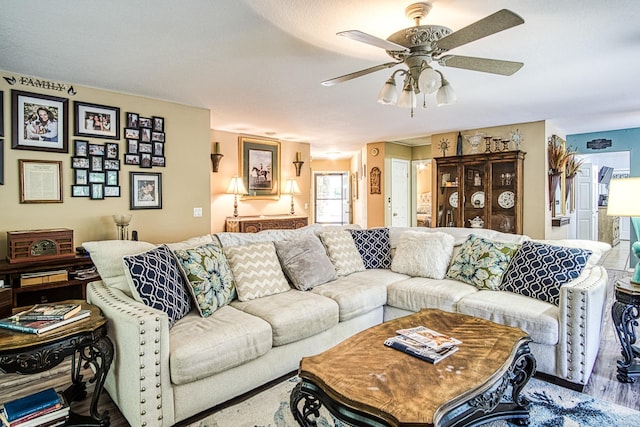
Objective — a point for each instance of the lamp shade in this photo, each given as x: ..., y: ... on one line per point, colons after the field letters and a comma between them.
x: 236, y: 186
x: 624, y: 197
x: 446, y: 94
x: 429, y: 80
x: 291, y: 187
x: 389, y: 93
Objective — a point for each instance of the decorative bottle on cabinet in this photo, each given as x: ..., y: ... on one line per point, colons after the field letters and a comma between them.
x: 459, y: 145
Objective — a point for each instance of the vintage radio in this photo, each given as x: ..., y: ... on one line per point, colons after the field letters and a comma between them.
x: 39, y: 245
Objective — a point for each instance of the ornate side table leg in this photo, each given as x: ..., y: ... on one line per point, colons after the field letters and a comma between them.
x: 625, y: 319
x: 99, y: 355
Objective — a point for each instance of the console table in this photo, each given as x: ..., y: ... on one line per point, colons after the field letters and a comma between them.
x: 253, y: 224
x: 625, y: 313
x: 85, y: 340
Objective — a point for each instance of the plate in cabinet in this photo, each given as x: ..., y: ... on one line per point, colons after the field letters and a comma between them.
x: 506, y: 199
x: 453, y: 199
x: 477, y: 199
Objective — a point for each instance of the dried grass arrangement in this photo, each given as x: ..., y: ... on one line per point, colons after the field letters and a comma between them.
x: 558, y: 154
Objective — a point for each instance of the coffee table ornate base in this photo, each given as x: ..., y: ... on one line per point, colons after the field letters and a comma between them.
x: 379, y: 386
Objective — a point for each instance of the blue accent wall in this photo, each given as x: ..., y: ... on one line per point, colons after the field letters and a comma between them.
x: 621, y: 140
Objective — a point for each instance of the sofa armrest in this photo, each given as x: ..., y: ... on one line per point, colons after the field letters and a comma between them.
x: 139, y: 379
x: 582, y: 304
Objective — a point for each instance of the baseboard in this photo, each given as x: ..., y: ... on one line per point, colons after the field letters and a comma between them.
x: 559, y: 381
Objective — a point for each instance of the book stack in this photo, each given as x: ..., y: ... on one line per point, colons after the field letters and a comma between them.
x: 44, y: 317
x: 86, y: 273
x: 45, y: 408
x: 424, y: 343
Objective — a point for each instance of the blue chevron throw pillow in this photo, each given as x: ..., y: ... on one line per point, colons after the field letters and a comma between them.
x: 537, y: 270
x: 156, y: 277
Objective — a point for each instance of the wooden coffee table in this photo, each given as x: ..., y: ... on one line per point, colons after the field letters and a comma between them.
x: 364, y: 383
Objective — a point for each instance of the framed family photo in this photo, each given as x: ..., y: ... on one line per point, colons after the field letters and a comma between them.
x: 96, y: 120
x: 145, y: 190
x: 260, y: 167
x: 39, y: 121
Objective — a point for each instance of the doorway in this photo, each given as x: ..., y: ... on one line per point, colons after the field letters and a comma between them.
x: 331, y: 198
x: 399, y: 199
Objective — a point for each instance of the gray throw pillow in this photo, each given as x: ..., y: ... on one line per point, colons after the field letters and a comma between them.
x: 305, y: 262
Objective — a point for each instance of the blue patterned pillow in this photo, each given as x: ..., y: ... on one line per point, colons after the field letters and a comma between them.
x: 209, y: 276
x: 156, y: 277
x: 481, y: 262
x: 538, y: 270
x: 373, y: 246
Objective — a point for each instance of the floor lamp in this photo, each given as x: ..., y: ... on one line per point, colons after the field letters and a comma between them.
x: 291, y: 187
x: 236, y: 186
x: 624, y: 200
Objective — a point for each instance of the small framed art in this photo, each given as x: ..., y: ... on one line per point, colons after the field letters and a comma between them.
x: 39, y: 122
x: 260, y: 167
x: 145, y: 190
x: 33, y: 173
x: 96, y: 120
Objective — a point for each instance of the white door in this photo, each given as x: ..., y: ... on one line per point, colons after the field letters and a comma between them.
x: 399, y: 193
x: 587, y: 202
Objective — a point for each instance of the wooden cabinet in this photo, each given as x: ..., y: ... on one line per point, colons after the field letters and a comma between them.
x: 608, y: 227
x: 253, y: 224
x: 49, y: 290
x: 480, y: 189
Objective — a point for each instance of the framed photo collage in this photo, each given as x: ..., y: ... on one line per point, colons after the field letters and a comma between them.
x: 145, y: 140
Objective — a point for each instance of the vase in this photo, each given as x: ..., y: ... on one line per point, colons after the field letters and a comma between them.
x: 459, y: 145
x: 568, y: 185
x: 554, y: 181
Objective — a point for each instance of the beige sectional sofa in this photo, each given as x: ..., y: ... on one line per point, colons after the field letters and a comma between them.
x: 162, y: 375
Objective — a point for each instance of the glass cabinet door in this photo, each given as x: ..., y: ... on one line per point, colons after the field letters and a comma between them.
x: 503, y: 200
x: 447, y: 201
x: 474, y: 177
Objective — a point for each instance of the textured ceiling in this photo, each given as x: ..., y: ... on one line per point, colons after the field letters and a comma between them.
x: 257, y: 64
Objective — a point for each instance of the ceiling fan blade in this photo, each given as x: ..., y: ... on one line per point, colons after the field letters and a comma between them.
x: 360, y: 73
x: 494, y: 66
x: 372, y: 40
x: 499, y: 21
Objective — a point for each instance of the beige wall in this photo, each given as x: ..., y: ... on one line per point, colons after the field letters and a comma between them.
x: 185, y: 179
x: 222, y: 204
x: 375, y: 202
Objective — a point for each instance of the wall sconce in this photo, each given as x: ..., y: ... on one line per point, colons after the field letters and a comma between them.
x: 298, y: 163
x: 236, y: 186
x: 215, y: 158
x: 291, y: 187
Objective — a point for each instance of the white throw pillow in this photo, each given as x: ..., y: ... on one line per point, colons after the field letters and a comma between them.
x: 342, y: 251
x: 257, y: 270
x: 107, y: 256
x: 423, y: 254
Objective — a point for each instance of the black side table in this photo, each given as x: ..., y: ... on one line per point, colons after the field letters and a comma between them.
x: 625, y: 313
x: 86, y: 341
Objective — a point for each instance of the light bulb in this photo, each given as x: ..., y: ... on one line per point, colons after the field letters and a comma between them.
x: 429, y: 80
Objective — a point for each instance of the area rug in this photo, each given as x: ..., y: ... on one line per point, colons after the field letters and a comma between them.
x: 551, y: 406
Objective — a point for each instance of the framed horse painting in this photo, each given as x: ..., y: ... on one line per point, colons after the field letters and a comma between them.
x: 260, y: 167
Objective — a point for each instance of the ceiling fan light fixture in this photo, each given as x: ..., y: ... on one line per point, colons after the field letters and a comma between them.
x: 389, y: 93
x: 446, y: 95
x: 429, y: 81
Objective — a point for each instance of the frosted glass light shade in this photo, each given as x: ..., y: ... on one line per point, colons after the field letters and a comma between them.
x: 429, y: 80
x: 407, y: 98
x: 389, y: 93
x: 446, y: 94
x: 624, y: 197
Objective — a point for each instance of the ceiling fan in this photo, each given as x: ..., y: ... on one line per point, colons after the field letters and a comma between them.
x: 421, y: 45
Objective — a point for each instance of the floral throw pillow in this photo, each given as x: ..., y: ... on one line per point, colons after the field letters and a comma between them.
x: 209, y: 276
x: 482, y: 262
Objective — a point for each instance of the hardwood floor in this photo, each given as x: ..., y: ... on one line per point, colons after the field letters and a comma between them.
x: 602, y: 384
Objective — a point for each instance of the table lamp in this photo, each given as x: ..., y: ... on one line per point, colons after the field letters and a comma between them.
x: 236, y: 186
x: 122, y: 225
x: 624, y: 200
x: 291, y: 187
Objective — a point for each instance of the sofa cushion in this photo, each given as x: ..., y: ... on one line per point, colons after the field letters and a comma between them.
x: 107, y: 255
x: 537, y: 318
x: 305, y: 261
x: 373, y: 246
x: 156, y: 277
x: 256, y: 270
x: 209, y: 277
x: 355, y: 294
x: 293, y: 315
x: 342, y: 251
x: 201, y: 347
x: 482, y: 262
x: 192, y: 242
x: 423, y: 254
x: 416, y: 293
x: 538, y: 270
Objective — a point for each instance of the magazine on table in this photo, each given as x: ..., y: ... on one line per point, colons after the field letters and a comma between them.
x: 40, y: 326
x: 429, y: 337
x: 414, y: 348
x: 48, y: 312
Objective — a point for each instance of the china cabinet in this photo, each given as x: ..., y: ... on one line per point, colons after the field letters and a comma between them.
x: 480, y: 191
